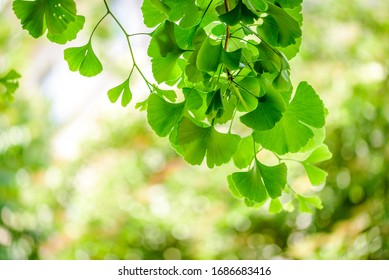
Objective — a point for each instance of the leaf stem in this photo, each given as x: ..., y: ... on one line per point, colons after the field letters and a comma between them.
x: 135, y: 65
x: 97, y: 25
x: 240, y: 97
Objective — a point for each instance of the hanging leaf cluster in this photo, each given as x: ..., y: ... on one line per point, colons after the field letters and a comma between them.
x: 223, y: 91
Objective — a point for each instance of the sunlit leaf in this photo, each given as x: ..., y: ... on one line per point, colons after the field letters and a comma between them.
x: 293, y: 131
x: 162, y: 115
x: 84, y: 60
x: 124, y: 90
x: 8, y: 85
x: 306, y: 204
x: 245, y: 153
x: 198, y: 142
x: 239, y: 13
x: 267, y: 114
x: 316, y: 175
x: 70, y: 33
x: 279, y: 28
x: 260, y: 182
x: 55, y: 16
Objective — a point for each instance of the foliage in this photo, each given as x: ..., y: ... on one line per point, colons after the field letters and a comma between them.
x: 228, y: 63
x: 59, y: 209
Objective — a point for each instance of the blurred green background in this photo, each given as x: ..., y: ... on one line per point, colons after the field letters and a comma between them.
x: 81, y: 178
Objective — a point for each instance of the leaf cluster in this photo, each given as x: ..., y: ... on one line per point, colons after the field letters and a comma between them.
x: 229, y: 96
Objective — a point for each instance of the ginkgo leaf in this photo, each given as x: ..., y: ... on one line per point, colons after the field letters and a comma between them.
x: 124, y: 90
x: 197, y: 142
x: 307, y: 203
x: 275, y: 206
x: 245, y: 153
x: 239, y: 13
x: 8, y: 85
x: 165, y: 69
x: 289, y: 3
x: 184, y: 11
x: 55, y: 16
x: 152, y: 15
x: 293, y: 131
x: 260, y: 181
x: 211, y: 54
x: 316, y: 175
x: 279, y: 28
x: 267, y: 114
x: 163, y: 116
x: 84, y: 60
x: 256, y: 5
x: 70, y: 33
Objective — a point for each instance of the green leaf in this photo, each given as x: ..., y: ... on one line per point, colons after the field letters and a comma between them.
x: 168, y: 94
x: 307, y: 203
x: 163, y: 41
x: 165, y: 52
x: 198, y: 142
x: 56, y: 16
x: 208, y: 58
x: 274, y: 178
x: 322, y: 153
x: 239, y: 13
x: 245, y: 153
x: 124, y: 90
x: 256, y: 5
x: 232, y: 188
x: 289, y: 3
x: 249, y: 185
x: 268, y: 60
x: 165, y: 69
x: 275, y: 206
x: 316, y: 175
x: 163, y: 116
x: 293, y: 131
x: 31, y: 15
x: 267, y: 114
x: 8, y: 85
x: 279, y: 28
x: 260, y: 182
x: 185, y: 11
x: 84, y: 60
x: 152, y: 15
x: 70, y: 33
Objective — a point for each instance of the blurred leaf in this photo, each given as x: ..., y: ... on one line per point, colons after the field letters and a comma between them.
x: 10, y: 83
x: 275, y: 206
x: 307, y: 203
